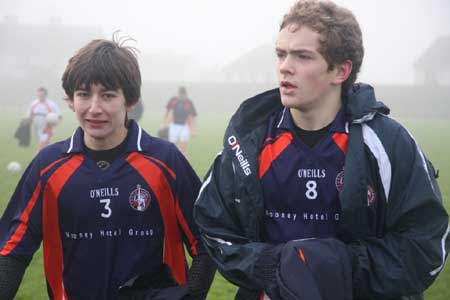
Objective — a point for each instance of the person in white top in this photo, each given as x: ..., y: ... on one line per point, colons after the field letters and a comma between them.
x: 42, y: 113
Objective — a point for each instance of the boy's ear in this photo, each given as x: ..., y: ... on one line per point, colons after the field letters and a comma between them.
x: 343, y: 71
x: 130, y: 107
x: 70, y: 104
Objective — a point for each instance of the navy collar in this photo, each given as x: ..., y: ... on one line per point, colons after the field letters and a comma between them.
x: 339, y: 124
x: 134, y: 143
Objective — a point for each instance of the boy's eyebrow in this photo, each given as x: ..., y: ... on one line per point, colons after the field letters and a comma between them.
x: 109, y: 90
x: 102, y: 89
x: 294, y: 51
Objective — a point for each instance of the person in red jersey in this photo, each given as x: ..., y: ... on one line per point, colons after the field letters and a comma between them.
x: 180, y: 120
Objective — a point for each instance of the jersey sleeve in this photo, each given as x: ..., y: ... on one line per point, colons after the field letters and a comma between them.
x: 171, y: 104
x: 192, y: 110
x: 55, y: 108
x: 21, y: 224
x: 187, y: 186
x: 30, y: 110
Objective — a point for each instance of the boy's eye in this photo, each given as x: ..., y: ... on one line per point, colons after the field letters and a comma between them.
x: 281, y: 54
x: 109, y: 95
x: 81, y: 94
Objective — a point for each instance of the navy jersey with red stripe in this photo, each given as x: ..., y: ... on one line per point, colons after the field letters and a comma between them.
x: 182, y: 108
x: 101, y: 228
x: 301, y: 184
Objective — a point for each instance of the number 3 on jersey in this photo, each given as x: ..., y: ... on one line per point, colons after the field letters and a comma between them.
x: 311, y: 189
x: 108, y: 210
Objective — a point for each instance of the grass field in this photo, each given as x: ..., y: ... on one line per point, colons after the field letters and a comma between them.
x: 432, y: 135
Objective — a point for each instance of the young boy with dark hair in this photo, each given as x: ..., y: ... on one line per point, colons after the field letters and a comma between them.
x: 111, y: 204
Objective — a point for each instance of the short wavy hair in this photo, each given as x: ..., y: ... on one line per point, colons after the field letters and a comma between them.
x: 340, y: 34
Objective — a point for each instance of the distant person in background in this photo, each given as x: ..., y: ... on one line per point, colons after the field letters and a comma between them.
x: 42, y: 112
x: 180, y: 120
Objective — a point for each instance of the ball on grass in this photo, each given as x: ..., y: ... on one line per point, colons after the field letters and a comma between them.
x: 14, y: 167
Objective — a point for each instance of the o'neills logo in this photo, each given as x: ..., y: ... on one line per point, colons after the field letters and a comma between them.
x: 243, y: 162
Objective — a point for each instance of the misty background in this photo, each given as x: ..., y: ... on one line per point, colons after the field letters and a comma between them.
x: 222, y: 51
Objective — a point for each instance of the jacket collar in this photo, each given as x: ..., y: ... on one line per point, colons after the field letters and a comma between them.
x: 360, y: 105
x: 134, y: 140
x: 255, y: 111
